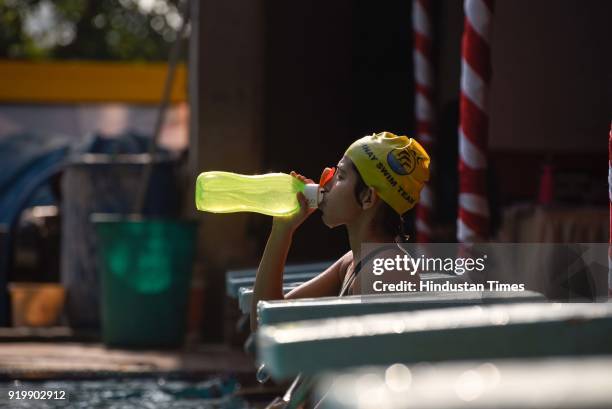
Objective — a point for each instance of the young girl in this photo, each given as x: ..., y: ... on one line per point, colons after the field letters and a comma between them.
x: 376, y: 182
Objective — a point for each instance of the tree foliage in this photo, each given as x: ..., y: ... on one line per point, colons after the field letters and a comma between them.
x: 136, y: 30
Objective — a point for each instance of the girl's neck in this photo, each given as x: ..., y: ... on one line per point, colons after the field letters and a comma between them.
x: 362, y: 232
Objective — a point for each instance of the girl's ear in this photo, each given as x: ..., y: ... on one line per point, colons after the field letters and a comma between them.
x: 369, y: 198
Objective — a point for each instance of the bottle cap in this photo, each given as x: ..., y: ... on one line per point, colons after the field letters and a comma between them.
x: 313, y: 195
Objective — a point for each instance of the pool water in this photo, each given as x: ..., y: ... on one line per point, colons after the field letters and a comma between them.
x: 123, y: 394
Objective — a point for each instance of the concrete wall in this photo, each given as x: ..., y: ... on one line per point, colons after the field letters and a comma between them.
x: 226, y: 132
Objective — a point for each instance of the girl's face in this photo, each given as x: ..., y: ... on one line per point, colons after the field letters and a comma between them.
x: 339, y: 205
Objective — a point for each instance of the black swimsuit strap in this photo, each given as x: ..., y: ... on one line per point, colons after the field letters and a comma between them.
x: 347, y: 283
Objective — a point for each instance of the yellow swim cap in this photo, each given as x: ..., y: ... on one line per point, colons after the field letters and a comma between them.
x: 397, y: 167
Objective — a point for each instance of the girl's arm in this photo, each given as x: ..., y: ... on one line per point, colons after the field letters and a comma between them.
x: 269, y: 278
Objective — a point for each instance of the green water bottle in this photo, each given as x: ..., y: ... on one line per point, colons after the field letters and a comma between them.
x: 273, y: 194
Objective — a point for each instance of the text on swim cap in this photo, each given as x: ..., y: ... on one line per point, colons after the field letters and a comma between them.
x: 388, y: 176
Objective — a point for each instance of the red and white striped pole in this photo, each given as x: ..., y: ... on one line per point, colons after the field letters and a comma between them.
x: 610, y: 207
x: 423, y: 102
x: 473, y: 220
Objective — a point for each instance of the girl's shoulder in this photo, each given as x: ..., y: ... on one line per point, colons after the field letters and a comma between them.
x: 346, y: 262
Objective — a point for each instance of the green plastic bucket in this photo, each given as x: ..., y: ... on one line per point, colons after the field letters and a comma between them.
x: 145, y: 275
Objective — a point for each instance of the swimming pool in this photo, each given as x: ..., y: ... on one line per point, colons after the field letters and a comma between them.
x: 138, y: 393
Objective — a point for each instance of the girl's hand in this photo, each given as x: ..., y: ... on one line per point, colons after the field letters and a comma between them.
x: 289, y: 224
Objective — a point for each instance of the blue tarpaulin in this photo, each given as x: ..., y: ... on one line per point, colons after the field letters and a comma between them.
x: 28, y: 161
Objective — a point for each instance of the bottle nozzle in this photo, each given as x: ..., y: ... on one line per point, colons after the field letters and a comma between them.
x: 313, y: 195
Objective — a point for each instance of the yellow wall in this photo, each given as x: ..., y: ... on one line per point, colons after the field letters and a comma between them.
x: 87, y: 82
